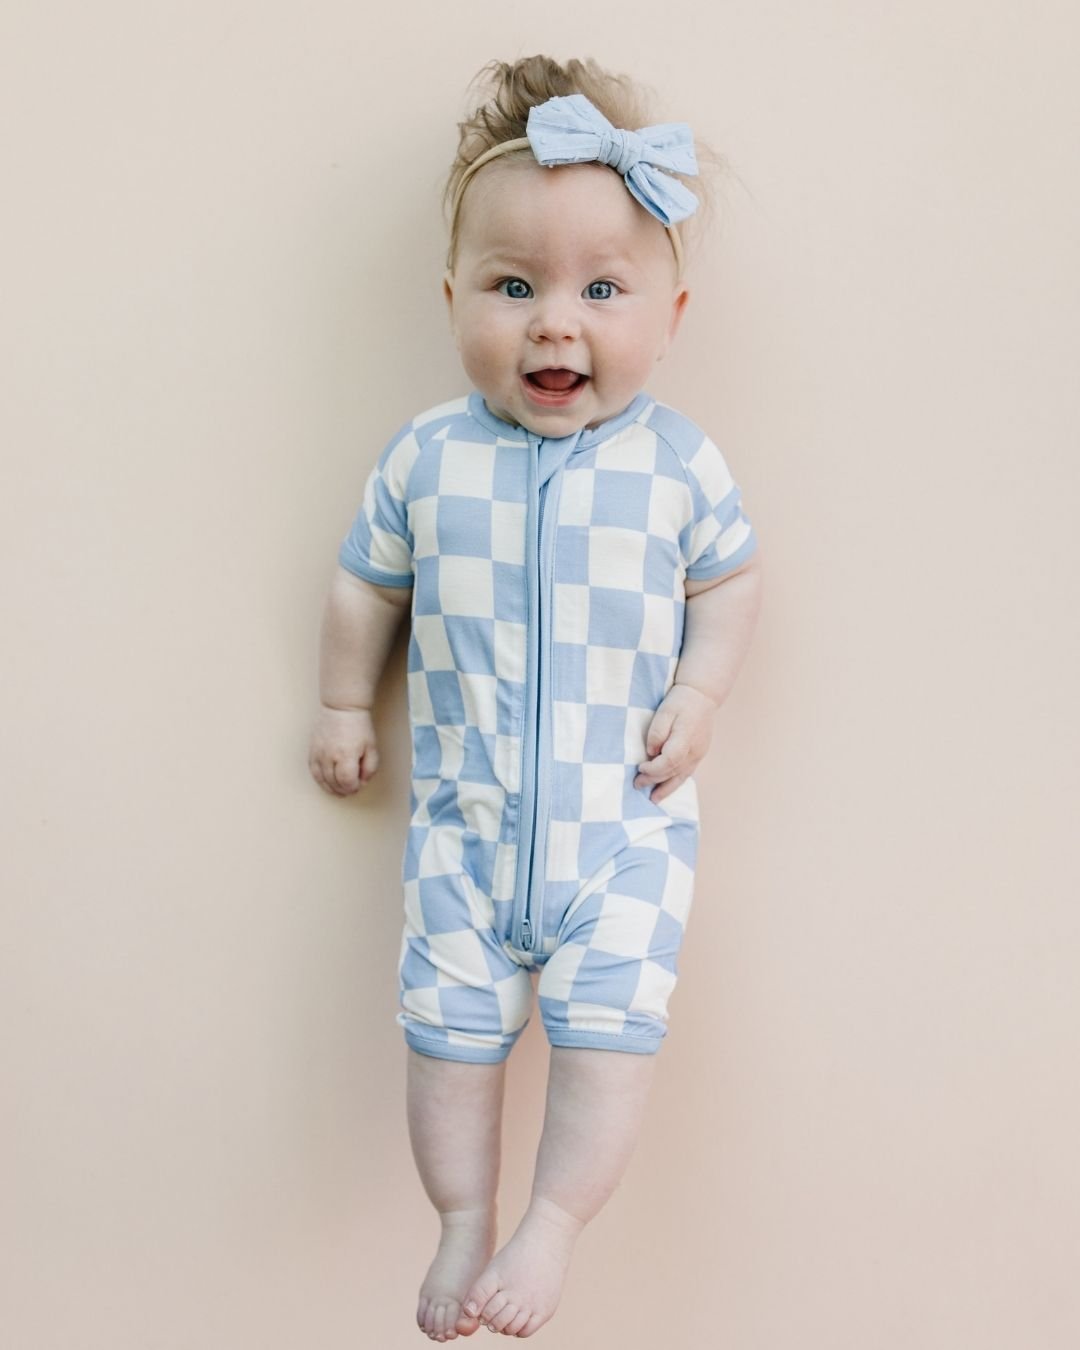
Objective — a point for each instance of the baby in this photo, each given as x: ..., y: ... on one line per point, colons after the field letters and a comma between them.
x: 582, y: 587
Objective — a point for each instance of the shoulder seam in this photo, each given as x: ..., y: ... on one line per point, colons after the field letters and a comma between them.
x: 683, y: 467
x: 424, y: 434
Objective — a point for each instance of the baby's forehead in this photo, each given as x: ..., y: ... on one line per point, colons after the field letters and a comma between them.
x: 519, y: 205
x: 518, y: 177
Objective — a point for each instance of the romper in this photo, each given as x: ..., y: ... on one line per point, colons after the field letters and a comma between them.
x: 546, y: 625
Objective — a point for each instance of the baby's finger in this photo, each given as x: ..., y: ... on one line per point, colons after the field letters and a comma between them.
x: 653, y: 773
x: 666, y: 789
x: 346, y: 774
x: 654, y: 779
x: 659, y: 731
x: 322, y: 770
x: 667, y: 762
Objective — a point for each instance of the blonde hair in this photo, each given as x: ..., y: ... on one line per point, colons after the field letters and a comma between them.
x: 511, y: 89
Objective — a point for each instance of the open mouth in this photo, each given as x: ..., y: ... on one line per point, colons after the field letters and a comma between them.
x: 554, y: 385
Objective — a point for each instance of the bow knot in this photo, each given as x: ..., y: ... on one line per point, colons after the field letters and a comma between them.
x: 621, y: 149
x: 571, y: 130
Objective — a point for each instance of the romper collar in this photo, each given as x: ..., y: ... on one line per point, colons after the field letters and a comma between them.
x: 582, y: 439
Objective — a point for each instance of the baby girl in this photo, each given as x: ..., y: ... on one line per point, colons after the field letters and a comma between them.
x: 582, y: 586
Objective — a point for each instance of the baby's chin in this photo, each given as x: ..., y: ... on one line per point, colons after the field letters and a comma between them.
x: 554, y: 422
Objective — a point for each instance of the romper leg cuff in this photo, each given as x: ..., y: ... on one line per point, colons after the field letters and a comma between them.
x: 599, y: 1040
x: 468, y: 1054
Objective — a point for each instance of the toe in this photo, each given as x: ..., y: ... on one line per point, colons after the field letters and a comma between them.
x: 466, y: 1325
x: 482, y: 1289
x: 492, y: 1308
x: 513, y: 1327
x: 503, y: 1319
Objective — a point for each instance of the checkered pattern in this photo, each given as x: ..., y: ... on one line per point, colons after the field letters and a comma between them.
x: 631, y: 508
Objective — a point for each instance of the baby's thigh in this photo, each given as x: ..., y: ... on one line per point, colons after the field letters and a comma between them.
x: 608, y: 982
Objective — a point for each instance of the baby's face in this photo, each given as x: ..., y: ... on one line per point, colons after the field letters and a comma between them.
x: 560, y: 270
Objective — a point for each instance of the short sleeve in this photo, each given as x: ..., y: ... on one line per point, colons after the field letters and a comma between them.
x: 718, y: 538
x: 379, y: 544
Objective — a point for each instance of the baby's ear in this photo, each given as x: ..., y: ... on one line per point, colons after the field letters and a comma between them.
x: 448, y: 296
x: 682, y: 299
x: 678, y: 309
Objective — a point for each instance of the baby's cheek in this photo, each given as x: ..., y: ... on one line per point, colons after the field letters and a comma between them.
x: 476, y: 367
x: 621, y: 376
x: 484, y: 357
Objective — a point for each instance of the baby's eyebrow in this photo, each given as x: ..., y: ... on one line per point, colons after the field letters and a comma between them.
x: 597, y: 263
x: 503, y: 260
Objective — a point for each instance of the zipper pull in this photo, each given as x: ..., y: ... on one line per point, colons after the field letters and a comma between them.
x: 526, y: 934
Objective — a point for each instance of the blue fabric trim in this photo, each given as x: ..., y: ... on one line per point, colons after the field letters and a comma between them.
x: 745, y: 551
x: 361, y: 568
x: 598, y: 1040
x: 441, y: 1050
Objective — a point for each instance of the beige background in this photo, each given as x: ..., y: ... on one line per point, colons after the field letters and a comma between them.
x: 220, y: 298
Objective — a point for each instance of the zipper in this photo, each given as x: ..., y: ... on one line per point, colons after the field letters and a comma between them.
x: 530, y: 877
x: 538, y: 628
x: 522, y: 930
x: 533, y: 864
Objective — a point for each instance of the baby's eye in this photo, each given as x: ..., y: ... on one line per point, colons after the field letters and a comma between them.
x: 600, y: 290
x: 515, y: 288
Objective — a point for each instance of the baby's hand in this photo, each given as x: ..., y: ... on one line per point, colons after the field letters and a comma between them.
x: 344, y: 754
x: 682, y: 727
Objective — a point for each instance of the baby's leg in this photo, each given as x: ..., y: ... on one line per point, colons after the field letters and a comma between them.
x: 455, y: 1115
x: 595, y: 1103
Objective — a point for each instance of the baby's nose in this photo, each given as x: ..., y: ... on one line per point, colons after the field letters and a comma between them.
x: 554, y: 320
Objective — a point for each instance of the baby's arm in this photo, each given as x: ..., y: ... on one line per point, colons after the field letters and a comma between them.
x: 358, y: 628
x: 720, y: 621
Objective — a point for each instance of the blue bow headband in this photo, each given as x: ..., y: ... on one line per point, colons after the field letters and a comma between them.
x: 570, y: 130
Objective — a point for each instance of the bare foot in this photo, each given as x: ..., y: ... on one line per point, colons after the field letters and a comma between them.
x: 520, y: 1288
x: 466, y: 1244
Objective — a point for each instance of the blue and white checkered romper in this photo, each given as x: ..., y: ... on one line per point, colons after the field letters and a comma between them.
x: 547, y: 622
